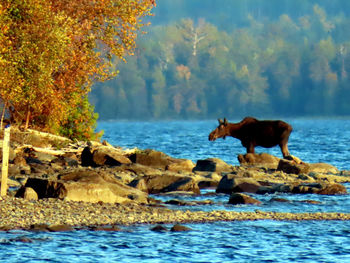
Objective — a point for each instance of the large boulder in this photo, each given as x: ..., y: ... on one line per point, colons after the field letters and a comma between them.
x: 235, y: 183
x: 212, y: 165
x: 261, y: 160
x: 150, y: 158
x: 87, y: 186
x: 180, y: 165
x: 103, y: 155
x: 156, y: 159
x: 167, y: 182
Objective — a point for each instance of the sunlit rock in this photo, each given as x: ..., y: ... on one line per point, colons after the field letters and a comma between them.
x: 259, y: 160
x: 169, y: 182
x: 212, y: 165
x: 27, y: 193
x: 239, y: 198
x: 87, y: 186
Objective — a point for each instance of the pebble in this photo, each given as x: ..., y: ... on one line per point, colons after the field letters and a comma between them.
x: 17, y: 213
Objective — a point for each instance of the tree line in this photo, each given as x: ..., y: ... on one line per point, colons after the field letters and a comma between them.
x: 286, y: 65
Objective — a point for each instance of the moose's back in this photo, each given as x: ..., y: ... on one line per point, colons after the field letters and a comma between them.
x: 265, y: 133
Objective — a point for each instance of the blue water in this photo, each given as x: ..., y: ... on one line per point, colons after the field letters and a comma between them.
x: 256, y: 241
x: 311, y: 140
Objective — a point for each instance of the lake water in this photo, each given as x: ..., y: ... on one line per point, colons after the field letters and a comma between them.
x: 256, y: 241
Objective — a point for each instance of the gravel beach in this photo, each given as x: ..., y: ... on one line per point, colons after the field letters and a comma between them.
x: 17, y: 213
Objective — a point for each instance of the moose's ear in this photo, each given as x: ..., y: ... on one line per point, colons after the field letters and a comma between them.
x: 220, y: 121
x: 225, y: 121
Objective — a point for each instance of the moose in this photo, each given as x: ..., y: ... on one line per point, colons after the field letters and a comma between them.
x: 252, y: 132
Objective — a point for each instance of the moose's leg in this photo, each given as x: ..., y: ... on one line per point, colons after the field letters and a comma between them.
x: 284, y: 150
x: 284, y: 141
x: 250, y: 148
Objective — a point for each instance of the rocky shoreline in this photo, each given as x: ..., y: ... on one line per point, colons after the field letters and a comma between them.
x: 60, y: 185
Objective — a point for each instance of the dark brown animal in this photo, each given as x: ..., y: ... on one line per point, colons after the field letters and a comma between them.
x: 252, y: 132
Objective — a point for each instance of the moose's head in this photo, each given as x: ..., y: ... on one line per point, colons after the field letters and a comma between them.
x: 221, y: 131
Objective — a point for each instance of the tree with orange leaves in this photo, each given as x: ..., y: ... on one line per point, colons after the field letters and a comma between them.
x: 51, y: 51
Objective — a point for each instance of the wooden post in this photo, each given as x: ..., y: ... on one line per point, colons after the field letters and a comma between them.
x: 5, y: 160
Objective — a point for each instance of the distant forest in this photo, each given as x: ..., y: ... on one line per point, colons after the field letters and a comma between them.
x: 208, y: 59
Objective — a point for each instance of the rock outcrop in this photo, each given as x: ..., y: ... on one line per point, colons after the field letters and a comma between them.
x: 87, y: 186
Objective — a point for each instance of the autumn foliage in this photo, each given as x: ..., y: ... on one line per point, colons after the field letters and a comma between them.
x: 51, y: 51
